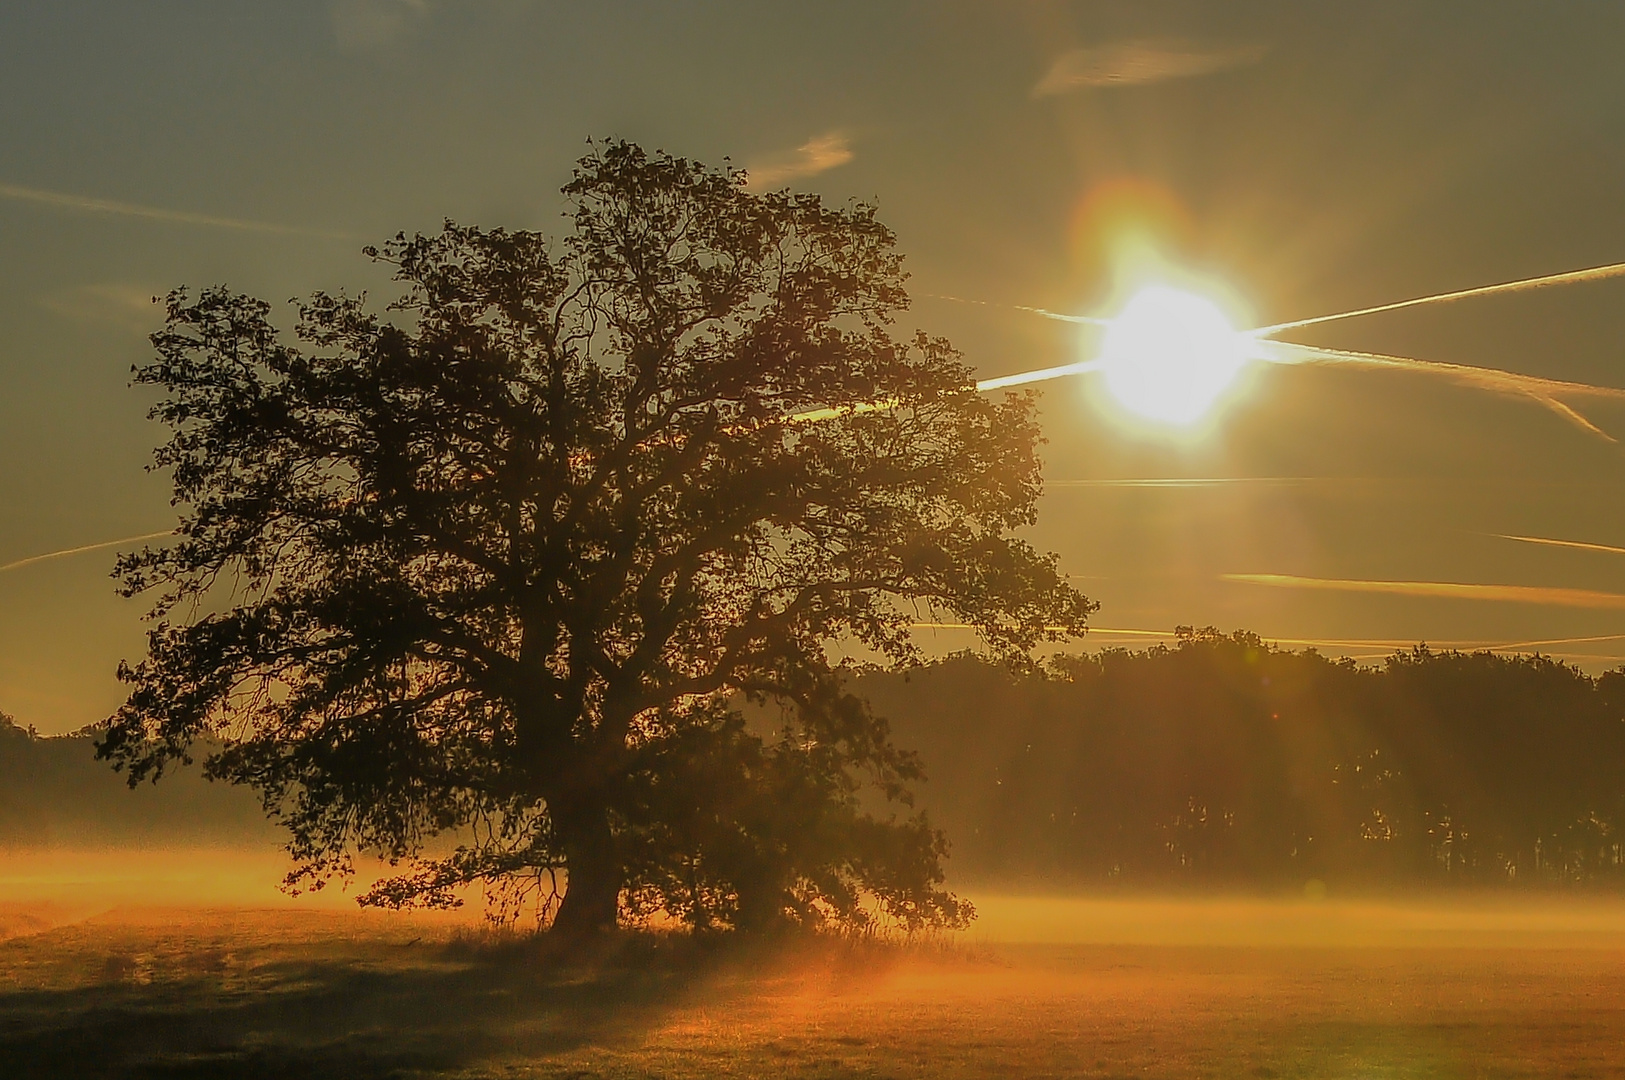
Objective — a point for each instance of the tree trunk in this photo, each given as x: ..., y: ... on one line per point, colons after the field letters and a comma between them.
x: 593, y: 874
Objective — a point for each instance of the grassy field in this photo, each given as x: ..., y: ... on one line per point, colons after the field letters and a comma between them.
x: 265, y: 987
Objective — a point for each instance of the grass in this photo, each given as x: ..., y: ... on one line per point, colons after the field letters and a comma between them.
x: 320, y: 992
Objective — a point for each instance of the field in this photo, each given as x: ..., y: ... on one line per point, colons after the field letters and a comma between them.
x: 219, y: 976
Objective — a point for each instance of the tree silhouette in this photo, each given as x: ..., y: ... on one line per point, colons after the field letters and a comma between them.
x: 508, y: 562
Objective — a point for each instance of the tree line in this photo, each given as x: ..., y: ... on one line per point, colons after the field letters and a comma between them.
x: 1218, y: 761
x: 54, y: 793
x: 1222, y: 760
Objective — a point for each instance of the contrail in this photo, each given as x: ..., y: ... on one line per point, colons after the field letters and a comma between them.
x: 1555, y: 641
x: 155, y: 213
x: 1189, y: 481
x: 1544, y: 391
x: 1338, y: 643
x: 65, y: 552
x: 1563, y: 543
x: 1540, y: 390
x: 1286, y: 352
x: 1041, y: 375
x: 1519, y: 594
x: 1595, y: 273
x: 1086, y: 320
x: 813, y: 416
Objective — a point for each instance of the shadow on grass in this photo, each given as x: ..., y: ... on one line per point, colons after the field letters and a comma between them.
x: 448, y: 1007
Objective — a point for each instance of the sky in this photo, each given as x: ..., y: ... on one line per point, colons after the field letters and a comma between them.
x: 1299, y: 158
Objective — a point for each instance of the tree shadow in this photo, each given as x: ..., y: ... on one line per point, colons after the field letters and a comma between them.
x: 329, y: 1019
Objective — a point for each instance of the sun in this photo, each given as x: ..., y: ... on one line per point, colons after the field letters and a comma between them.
x: 1169, y: 355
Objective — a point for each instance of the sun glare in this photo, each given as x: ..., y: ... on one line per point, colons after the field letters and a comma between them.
x: 1169, y: 355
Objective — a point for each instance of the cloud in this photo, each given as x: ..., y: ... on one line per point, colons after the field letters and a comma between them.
x: 816, y: 155
x: 128, y: 306
x: 367, y: 24
x: 1139, y: 63
x: 1517, y: 594
x: 88, y: 204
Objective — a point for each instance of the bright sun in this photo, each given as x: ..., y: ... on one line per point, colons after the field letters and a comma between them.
x: 1169, y: 354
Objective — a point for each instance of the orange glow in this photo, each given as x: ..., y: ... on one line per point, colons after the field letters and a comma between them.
x: 1117, y: 222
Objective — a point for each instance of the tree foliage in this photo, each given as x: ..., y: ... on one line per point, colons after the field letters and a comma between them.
x: 505, y: 561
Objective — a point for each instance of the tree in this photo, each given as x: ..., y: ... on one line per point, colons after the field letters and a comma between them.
x: 508, y: 561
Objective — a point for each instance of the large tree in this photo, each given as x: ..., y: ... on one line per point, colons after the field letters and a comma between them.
x: 512, y: 561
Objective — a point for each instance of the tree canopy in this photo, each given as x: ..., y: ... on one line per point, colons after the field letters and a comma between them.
x: 509, y: 561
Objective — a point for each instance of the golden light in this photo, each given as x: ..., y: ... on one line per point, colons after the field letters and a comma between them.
x: 1169, y: 355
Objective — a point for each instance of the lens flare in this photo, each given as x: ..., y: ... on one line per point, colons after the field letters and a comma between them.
x: 1169, y: 355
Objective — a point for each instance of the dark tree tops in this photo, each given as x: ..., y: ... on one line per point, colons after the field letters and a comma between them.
x: 503, y: 561
x: 1226, y: 761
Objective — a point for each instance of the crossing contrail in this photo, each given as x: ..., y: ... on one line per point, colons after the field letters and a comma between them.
x: 65, y: 552
x: 1595, y: 273
x: 1568, y: 277
x: 1546, y: 392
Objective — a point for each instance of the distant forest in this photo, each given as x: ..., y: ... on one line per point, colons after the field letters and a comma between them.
x: 1218, y: 761
x: 1223, y: 761
x: 54, y: 793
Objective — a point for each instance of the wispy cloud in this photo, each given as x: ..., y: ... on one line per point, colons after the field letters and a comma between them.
x: 1144, y: 61
x: 1517, y: 594
x: 367, y: 24
x: 128, y: 306
x: 83, y: 548
x: 88, y: 204
x: 816, y: 155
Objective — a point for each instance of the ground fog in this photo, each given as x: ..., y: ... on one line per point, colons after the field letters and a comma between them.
x: 193, y: 965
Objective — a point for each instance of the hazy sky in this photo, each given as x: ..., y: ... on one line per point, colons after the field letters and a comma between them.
x: 1312, y: 157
